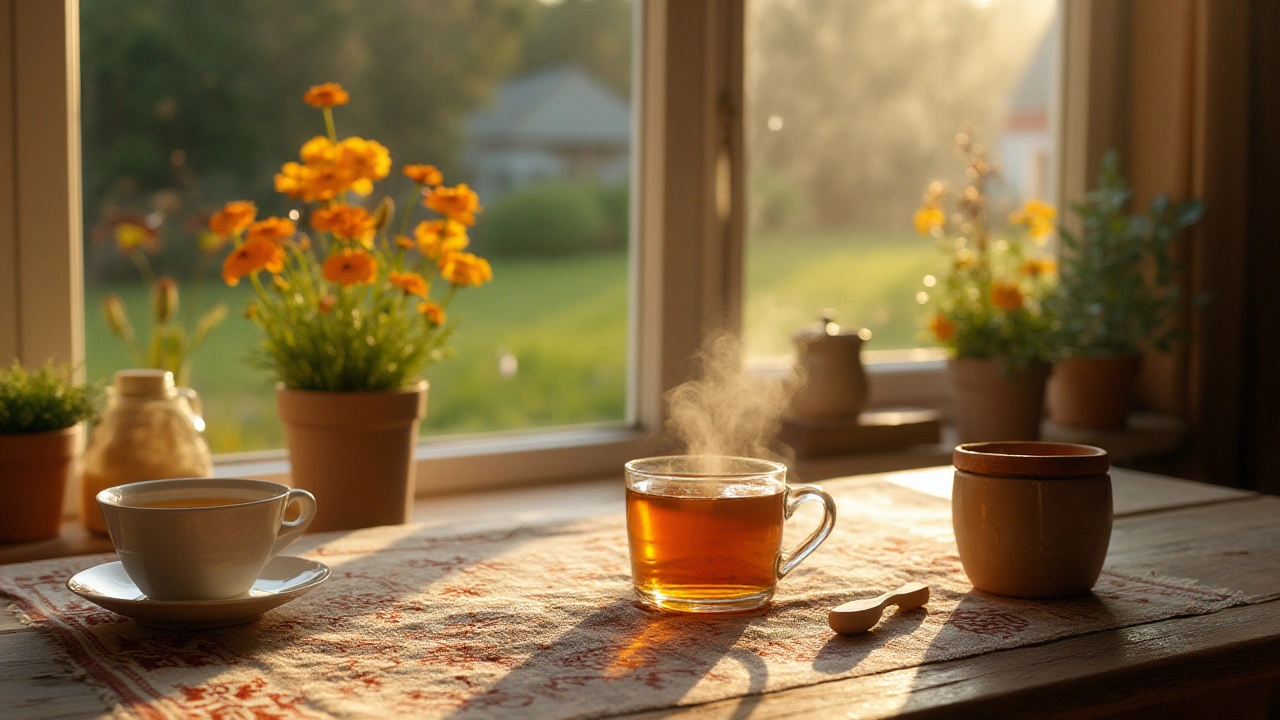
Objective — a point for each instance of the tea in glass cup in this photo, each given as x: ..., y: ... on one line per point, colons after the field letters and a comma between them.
x: 705, y: 531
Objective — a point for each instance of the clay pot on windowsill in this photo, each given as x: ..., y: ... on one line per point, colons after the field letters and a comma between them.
x: 354, y: 452
x: 34, y: 469
x: 995, y: 401
x: 1093, y: 392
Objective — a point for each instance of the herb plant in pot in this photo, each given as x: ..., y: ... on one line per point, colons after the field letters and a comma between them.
x: 987, y: 306
x: 349, y: 318
x: 1117, y: 294
x: 40, y: 418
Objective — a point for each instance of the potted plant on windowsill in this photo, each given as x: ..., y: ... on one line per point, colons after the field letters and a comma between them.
x: 40, y: 418
x: 349, y: 317
x: 1117, y: 293
x: 987, y: 306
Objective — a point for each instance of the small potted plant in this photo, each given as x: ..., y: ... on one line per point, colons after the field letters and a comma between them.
x: 349, y: 317
x: 987, y: 305
x: 40, y: 417
x: 1117, y: 293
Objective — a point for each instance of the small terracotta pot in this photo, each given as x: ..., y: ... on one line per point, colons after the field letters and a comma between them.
x: 994, y: 402
x: 354, y: 452
x: 1032, y: 519
x: 34, y: 470
x: 1093, y: 392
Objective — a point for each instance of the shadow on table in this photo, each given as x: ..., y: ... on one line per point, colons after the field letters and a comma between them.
x: 625, y: 657
x: 843, y: 653
x: 983, y: 623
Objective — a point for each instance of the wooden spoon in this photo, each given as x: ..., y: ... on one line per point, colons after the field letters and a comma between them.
x: 860, y: 615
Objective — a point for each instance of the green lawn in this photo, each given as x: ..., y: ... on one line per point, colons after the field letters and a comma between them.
x: 565, y: 321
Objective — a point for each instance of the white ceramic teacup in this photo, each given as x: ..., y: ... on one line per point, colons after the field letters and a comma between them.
x: 176, y: 544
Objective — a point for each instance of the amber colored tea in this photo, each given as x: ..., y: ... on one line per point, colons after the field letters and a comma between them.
x: 195, y: 502
x: 707, y: 541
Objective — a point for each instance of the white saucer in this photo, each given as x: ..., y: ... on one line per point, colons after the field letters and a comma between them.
x: 283, y: 579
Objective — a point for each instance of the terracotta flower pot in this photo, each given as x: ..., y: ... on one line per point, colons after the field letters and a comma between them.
x: 997, y: 403
x: 354, y: 452
x: 34, y: 469
x: 1093, y: 392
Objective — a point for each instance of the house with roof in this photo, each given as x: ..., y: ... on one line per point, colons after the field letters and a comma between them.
x: 1026, y: 142
x: 561, y: 123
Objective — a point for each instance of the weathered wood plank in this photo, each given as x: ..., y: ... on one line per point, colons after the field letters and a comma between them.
x: 1089, y: 676
x: 34, y: 684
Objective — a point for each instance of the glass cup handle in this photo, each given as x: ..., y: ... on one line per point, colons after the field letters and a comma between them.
x: 291, y: 530
x: 797, y: 494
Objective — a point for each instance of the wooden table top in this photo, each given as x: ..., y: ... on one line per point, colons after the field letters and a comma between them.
x: 1217, y: 665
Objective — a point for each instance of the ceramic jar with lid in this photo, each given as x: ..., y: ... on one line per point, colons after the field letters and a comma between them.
x: 833, y: 382
x: 150, y: 430
x: 1031, y: 519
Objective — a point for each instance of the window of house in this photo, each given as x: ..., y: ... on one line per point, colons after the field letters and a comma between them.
x: 187, y: 105
x: 851, y: 108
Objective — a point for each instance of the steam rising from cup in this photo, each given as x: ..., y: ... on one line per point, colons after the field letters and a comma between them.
x: 727, y: 410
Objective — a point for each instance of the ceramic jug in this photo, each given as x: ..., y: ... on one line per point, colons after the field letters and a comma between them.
x: 833, y: 381
x: 150, y: 430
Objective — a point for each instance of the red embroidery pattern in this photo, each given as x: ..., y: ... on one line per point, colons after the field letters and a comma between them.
x: 540, y: 621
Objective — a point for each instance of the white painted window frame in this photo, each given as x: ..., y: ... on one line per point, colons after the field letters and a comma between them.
x: 686, y: 265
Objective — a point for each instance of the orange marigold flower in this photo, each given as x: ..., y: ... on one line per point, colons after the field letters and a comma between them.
x: 424, y: 174
x: 365, y: 159
x: 1036, y: 268
x: 326, y: 95
x: 349, y: 222
x: 259, y: 253
x: 131, y: 236
x: 410, y: 282
x: 404, y: 242
x: 437, y: 238
x: 1006, y: 295
x: 942, y: 328
x: 465, y: 269
x: 1037, y: 216
x: 456, y: 203
x: 348, y: 267
x: 329, y: 170
x: 273, y: 229
x: 434, y: 313
x: 929, y: 217
x: 234, y: 217
x: 326, y: 304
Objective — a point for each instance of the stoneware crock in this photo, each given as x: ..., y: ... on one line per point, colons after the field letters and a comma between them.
x: 1031, y: 519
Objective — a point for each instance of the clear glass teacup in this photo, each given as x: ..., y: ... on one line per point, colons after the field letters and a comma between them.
x: 705, y: 531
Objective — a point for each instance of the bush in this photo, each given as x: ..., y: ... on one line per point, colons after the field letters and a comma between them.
x: 552, y: 218
x: 41, y: 401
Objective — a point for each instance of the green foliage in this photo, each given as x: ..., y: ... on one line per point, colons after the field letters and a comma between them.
x: 550, y: 218
x: 593, y: 34
x: 44, y: 400
x: 615, y: 205
x: 1118, y: 286
x: 369, y: 340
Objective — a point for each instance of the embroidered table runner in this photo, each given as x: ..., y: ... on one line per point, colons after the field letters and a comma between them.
x: 540, y: 621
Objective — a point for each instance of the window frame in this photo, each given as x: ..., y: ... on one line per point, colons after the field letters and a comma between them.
x: 686, y: 258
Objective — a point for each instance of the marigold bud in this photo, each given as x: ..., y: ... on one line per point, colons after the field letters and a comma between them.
x: 381, y: 216
x: 115, y: 316
x: 164, y: 300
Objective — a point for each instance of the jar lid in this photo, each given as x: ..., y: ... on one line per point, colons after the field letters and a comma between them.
x: 828, y: 330
x: 1031, y: 459
x: 151, y: 383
